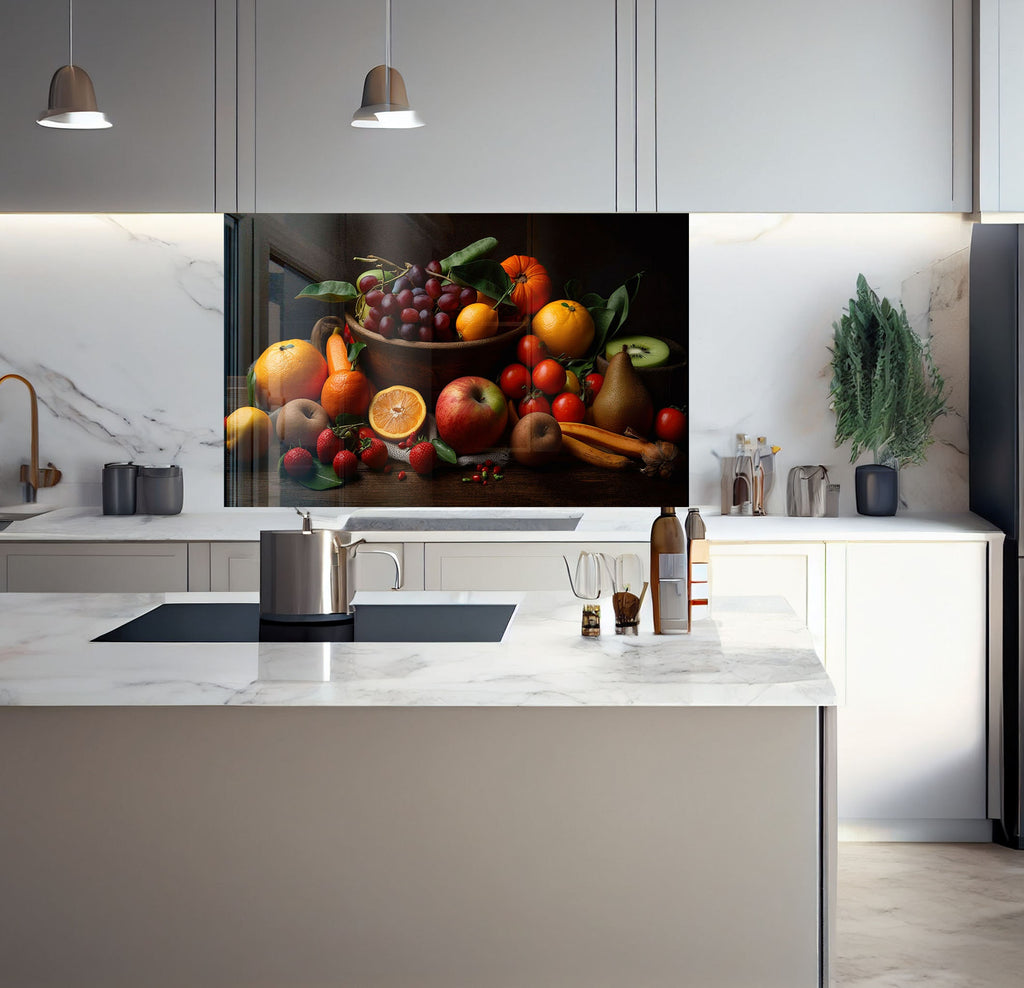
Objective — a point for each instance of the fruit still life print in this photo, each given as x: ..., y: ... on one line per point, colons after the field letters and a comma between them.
x: 489, y: 375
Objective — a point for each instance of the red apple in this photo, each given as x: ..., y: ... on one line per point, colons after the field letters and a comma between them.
x: 471, y: 413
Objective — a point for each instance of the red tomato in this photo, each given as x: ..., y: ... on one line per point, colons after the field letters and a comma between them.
x: 534, y: 402
x: 515, y: 381
x: 530, y: 350
x: 593, y: 384
x: 670, y: 425
x: 568, y: 407
x: 549, y: 376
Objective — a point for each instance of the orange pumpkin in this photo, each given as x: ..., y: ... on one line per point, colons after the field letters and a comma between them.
x: 531, y: 284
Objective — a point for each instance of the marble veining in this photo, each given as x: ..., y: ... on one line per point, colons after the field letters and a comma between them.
x: 744, y: 656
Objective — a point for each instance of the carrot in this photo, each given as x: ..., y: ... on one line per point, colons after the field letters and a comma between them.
x: 611, y: 441
x: 337, y: 354
x: 593, y: 455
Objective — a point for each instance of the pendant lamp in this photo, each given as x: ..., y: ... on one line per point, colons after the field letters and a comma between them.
x: 385, y: 103
x: 72, y: 104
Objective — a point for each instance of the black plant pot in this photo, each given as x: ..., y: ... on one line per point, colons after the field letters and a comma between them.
x: 878, y: 489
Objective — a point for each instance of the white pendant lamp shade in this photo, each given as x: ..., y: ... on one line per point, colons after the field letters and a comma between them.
x: 72, y: 103
x: 385, y: 103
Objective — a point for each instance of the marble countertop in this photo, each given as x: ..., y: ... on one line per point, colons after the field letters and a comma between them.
x: 751, y: 652
x: 591, y: 524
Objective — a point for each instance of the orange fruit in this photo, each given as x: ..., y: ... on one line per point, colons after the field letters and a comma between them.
x: 247, y: 433
x: 397, y: 412
x: 477, y: 321
x: 531, y: 280
x: 346, y: 392
x: 565, y: 328
x: 289, y: 369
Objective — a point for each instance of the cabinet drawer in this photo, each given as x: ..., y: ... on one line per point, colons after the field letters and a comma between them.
x: 96, y: 568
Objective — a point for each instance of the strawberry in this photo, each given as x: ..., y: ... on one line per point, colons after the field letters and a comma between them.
x: 345, y: 464
x: 298, y: 463
x: 373, y: 453
x: 328, y: 445
x: 423, y: 457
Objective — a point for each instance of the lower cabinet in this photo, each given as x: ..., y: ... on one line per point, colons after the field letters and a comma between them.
x: 513, y: 565
x: 94, y: 567
x: 912, y: 748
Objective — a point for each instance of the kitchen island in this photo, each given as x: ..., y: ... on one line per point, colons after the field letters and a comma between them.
x: 543, y: 810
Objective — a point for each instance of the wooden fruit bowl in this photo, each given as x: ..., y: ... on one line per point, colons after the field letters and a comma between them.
x: 428, y: 367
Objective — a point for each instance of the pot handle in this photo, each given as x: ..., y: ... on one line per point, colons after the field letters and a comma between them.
x: 343, y: 547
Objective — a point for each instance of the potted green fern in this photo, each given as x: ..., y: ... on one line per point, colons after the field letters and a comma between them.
x: 886, y: 393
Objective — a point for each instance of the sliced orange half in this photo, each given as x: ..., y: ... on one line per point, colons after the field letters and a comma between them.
x: 397, y: 412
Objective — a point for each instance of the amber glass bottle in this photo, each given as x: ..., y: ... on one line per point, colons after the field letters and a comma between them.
x: 668, y: 573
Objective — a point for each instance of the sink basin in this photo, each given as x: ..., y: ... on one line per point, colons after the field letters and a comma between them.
x: 240, y: 622
x: 17, y: 512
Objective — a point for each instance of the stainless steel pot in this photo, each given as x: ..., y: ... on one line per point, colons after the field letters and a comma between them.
x: 306, y: 573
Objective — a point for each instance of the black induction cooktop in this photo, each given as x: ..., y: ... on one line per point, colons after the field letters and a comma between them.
x: 240, y: 622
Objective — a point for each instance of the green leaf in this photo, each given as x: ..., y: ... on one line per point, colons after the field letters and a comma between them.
x: 346, y: 420
x: 322, y: 479
x: 250, y: 384
x: 444, y: 451
x: 603, y: 321
x: 354, y: 349
x: 574, y: 289
x: 474, y: 251
x: 485, y: 276
x: 330, y: 291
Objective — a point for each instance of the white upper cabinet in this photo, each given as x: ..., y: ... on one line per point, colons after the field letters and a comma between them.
x: 153, y: 69
x: 1000, y: 106
x: 519, y: 104
x: 804, y: 106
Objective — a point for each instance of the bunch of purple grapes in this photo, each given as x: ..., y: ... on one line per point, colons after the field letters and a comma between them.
x: 419, y: 305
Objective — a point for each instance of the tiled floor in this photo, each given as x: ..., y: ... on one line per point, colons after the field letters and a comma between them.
x: 941, y: 915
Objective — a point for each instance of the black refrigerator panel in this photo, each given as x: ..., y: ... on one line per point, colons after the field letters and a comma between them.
x: 1007, y: 829
x: 995, y: 406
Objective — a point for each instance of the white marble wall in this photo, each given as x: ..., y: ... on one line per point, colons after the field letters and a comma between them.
x: 118, y: 322
x: 764, y: 292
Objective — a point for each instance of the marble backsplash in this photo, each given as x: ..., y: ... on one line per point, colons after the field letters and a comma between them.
x: 764, y: 293
x: 118, y: 322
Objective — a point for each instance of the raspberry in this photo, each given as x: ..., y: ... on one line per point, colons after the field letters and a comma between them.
x: 423, y: 457
x: 328, y: 446
x: 345, y: 464
x: 373, y: 453
x: 298, y: 463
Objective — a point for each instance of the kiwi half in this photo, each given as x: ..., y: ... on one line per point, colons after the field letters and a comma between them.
x: 643, y: 351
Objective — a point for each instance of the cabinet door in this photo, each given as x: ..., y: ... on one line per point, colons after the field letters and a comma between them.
x: 807, y: 106
x: 513, y: 565
x: 911, y: 736
x: 153, y: 69
x: 793, y: 571
x: 235, y: 566
x: 1000, y: 105
x: 98, y: 567
x: 518, y: 102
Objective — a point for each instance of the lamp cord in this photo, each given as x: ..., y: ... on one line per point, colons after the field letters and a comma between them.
x: 71, y: 32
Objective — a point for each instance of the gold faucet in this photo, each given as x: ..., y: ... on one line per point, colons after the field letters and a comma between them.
x: 30, y: 477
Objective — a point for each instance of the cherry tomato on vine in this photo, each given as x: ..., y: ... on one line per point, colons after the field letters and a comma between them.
x: 515, y: 381
x: 670, y: 425
x: 568, y: 407
x: 549, y: 376
x: 534, y: 402
x: 592, y: 383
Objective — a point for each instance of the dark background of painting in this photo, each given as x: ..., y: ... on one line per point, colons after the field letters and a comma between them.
x: 601, y: 251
